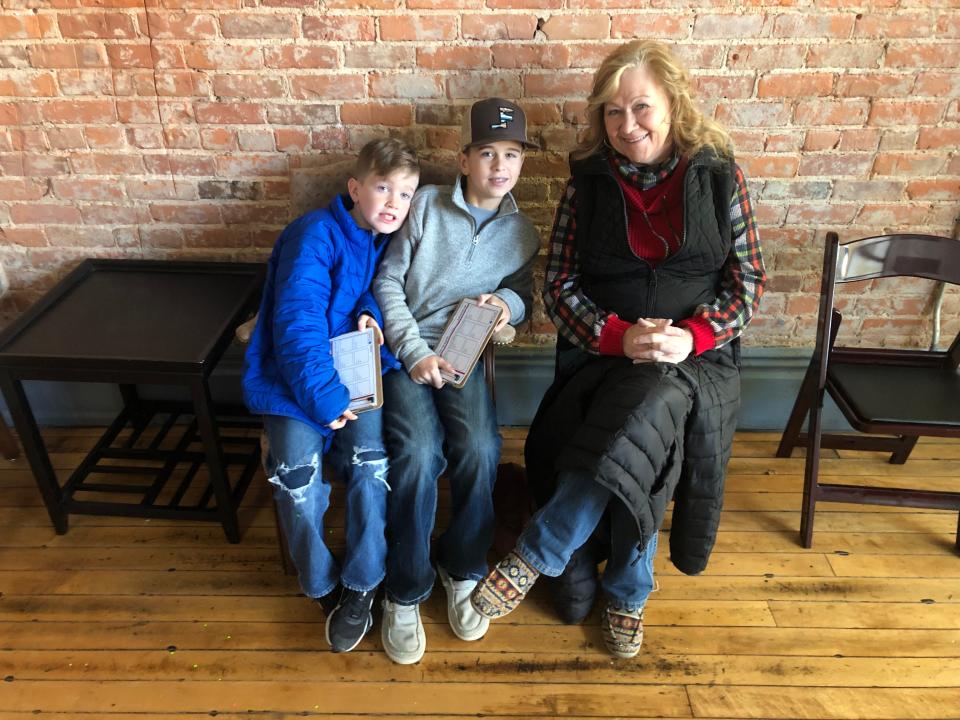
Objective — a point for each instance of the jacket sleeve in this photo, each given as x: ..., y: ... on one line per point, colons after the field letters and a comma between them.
x: 400, y: 328
x: 301, y: 333
x: 367, y: 305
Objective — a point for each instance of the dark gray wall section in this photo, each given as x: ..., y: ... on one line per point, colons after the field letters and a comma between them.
x: 771, y: 377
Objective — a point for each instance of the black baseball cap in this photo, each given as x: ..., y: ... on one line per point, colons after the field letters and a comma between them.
x: 494, y: 120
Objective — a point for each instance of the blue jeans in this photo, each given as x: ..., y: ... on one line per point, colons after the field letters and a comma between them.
x: 429, y: 431
x: 302, y: 495
x: 567, y: 521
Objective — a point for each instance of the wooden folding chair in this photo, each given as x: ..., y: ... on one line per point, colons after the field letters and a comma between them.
x: 895, y: 394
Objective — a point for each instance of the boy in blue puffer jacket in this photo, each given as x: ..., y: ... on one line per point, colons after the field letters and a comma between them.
x: 318, y: 287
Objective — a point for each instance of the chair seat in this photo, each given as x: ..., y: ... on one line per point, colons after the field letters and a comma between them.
x: 898, y: 394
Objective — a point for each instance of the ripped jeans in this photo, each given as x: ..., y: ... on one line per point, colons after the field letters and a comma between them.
x: 302, y: 495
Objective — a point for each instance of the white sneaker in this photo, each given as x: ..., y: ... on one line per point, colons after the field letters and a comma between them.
x: 466, y: 623
x: 401, y: 632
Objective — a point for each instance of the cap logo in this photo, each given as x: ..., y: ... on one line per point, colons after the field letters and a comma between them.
x: 506, y: 116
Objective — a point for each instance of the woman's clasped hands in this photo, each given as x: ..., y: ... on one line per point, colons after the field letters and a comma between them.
x: 657, y: 340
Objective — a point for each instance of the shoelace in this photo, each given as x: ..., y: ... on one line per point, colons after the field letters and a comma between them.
x: 358, y: 606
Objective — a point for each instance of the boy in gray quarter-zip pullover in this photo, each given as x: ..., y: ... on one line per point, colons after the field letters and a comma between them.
x: 468, y: 240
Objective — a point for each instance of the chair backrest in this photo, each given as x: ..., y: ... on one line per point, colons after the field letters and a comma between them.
x: 932, y: 257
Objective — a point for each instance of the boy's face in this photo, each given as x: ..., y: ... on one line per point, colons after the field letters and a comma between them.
x: 491, y: 171
x: 381, y: 202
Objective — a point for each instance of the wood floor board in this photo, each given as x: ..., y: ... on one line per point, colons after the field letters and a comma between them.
x: 127, y: 618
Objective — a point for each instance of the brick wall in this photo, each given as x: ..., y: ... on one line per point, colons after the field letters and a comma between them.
x: 172, y: 128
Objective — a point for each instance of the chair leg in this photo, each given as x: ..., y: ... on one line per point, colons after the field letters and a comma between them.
x: 8, y: 445
x: 811, y: 471
x: 798, y: 414
x: 901, y: 454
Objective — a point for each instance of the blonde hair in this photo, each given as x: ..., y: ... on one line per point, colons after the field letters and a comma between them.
x: 690, y: 130
x: 385, y: 155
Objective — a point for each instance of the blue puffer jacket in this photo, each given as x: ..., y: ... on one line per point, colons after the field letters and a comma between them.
x: 318, y: 284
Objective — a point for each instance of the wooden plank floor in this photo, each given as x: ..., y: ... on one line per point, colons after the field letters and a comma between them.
x: 126, y: 618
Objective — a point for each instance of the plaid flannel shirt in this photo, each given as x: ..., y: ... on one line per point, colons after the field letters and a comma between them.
x: 580, y: 321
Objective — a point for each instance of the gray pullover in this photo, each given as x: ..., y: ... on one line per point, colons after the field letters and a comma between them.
x: 438, y: 258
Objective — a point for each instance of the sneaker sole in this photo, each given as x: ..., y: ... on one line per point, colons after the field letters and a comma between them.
x: 452, y: 613
x: 366, y: 629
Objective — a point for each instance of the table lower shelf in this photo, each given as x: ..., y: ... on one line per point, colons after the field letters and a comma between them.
x: 153, y: 457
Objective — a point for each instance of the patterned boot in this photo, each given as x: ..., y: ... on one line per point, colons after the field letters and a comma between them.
x: 504, y: 587
x: 622, y: 631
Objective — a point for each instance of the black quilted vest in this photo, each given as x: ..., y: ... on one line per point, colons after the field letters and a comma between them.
x: 616, y: 279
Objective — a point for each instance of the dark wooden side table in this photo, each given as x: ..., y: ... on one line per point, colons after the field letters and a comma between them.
x: 146, y: 322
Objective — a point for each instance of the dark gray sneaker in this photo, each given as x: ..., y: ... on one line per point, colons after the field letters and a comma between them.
x: 350, y: 620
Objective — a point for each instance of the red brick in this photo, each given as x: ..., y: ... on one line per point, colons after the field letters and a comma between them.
x: 481, y: 85
x: 114, y: 25
x: 748, y: 141
x: 453, y: 58
x: 105, y: 136
x: 874, y: 85
x: 184, y: 84
x: 170, y: 55
x: 524, y: 4
x: 161, y: 237
x: 28, y: 84
x: 445, y: 4
x: 715, y: 87
x: 766, y: 57
x: 107, y: 164
x: 327, y: 139
x: 558, y: 84
x: 247, y: 86
x: 443, y: 138
x: 249, y: 213
x: 910, y: 25
x: 786, y: 141
x: 137, y: 111
x: 836, y: 164
x: 28, y: 138
x: 907, y: 164
x: 24, y: 237
x: 375, y: 114
x: 419, y: 85
x: 589, y: 55
x: 186, y: 213
x: 44, y: 214
x: 658, y: 25
x: 71, y: 188
x: 21, y: 188
x: 86, y: 82
x: 769, y: 166
x: 337, y: 27
x: 229, y: 113
x: 258, y: 26
x: 163, y: 189
x: 934, y: 189
x: 909, y: 112
x: 923, y: 55
x: 61, y: 55
x: 859, y: 139
x: 940, y: 84
x: 379, y: 56
x: 292, y: 139
x: 19, y: 26
x: 326, y: 87
x: 845, y: 55
x: 753, y: 114
x: 418, y: 27
x: 256, y: 140
x: 77, y: 112
x: 899, y: 214
x: 66, y: 138
x: 299, y: 56
x: 575, y: 112
x: 43, y: 165
x: 182, y: 25
x: 795, y: 85
x: 224, y: 57
x: 699, y: 56
x: 543, y: 113
x: 181, y: 138
x: 130, y: 56
x: 498, y: 27
x: 814, y: 25
x: 938, y: 138
x: 243, y: 165
x: 811, y: 213
x: 831, y: 112
x: 77, y: 237
x: 727, y: 26
x: 360, y: 4
x: 867, y: 190
x: 301, y: 114
x: 218, y: 139
x: 577, y: 27
x: 13, y: 57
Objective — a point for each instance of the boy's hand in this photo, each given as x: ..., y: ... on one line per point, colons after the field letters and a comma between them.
x: 427, y: 371
x: 657, y: 340
x: 491, y: 299
x: 342, y: 420
x: 365, y: 321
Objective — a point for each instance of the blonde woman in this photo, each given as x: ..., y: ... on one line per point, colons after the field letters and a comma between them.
x: 653, y: 273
